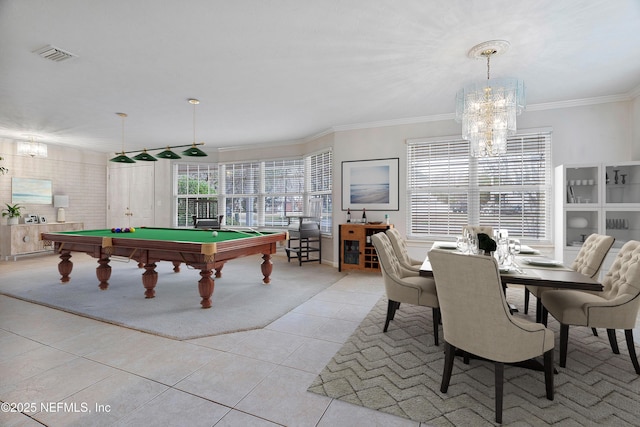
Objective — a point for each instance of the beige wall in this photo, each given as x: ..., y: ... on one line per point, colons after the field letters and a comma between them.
x: 635, y: 127
x: 80, y: 174
x: 584, y: 134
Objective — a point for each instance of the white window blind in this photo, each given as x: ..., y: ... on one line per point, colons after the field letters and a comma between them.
x: 283, y: 190
x: 448, y: 188
x: 319, y: 185
x: 241, y: 190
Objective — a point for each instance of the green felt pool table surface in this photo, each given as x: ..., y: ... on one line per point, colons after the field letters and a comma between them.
x: 174, y: 234
x: 195, y: 247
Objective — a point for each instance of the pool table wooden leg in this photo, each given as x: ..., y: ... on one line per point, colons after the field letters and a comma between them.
x: 176, y: 266
x: 103, y: 272
x: 65, y: 266
x: 205, y: 286
x: 149, y: 279
x: 267, y: 268
x: 218, y: 269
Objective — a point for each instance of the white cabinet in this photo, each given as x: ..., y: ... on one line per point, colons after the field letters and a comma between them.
x: 596, y: 198
x: 21, y: 239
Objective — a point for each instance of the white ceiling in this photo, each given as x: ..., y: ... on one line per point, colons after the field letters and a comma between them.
x: 270, y: 71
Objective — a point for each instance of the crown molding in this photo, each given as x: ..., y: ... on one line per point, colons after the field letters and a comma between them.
x: 394, y: 122
x: 580, y: 102
x: 259, y: 145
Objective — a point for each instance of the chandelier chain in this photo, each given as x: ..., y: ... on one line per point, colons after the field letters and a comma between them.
x: 488, y: 65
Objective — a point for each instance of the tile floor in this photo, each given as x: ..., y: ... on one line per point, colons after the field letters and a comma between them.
x: 106, y: 375
x: 89, y: 373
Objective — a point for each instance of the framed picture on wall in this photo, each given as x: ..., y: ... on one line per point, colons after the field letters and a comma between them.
x: 31, y: 191
x: 371, y: 184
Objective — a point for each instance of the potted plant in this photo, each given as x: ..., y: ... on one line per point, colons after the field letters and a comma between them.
x: 12, y: 212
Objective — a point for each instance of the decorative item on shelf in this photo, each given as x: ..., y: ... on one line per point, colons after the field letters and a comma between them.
x: 606, y: 175
x: 488, y: 109
x: 386, y: 219
x: 578, y: 222
x: 615, y: 177
x: 60, y: 202
x: 348, y: 215
x: 624, y: 178
x: 571, y: 198
x: 12, y: 212
x: 364, y: 216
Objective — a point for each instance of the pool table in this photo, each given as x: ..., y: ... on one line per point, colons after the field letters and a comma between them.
x: 195, y: 247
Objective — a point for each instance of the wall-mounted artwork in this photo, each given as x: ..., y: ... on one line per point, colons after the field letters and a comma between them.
x: 370, y: 184
x: 29, y: 191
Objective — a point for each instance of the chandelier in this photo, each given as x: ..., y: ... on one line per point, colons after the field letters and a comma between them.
x: 32, y: 148
x: 488, y: 109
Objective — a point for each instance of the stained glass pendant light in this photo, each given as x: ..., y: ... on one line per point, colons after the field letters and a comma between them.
x: 194, y: 151
x: 122, y: 158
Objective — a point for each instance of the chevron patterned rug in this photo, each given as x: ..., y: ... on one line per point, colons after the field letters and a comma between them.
x: 399, y: 372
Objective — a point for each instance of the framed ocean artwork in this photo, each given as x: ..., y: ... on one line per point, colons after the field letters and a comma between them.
x: 371, y: 184
x: 30, y: 191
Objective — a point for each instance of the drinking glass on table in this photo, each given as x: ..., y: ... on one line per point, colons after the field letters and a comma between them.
x: 514, y: 248
x: 462, y: 243
x: 502, y: 253
x: 473, y: 245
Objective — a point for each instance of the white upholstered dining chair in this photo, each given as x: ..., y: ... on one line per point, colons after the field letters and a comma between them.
x: 616, y: 307
x: 400, y: 247
x: 588, y: 262
x: 476, y: 319
x: 404, y: 286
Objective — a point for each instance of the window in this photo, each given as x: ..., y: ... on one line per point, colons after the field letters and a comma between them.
x: 196, y: 192
x: 241, y: 184
x: 283, y: 191
x: 448, y: 189
x: 319, y: 185
x: 266, y: 193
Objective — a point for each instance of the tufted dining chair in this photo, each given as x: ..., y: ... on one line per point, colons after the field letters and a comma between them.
x: 404, y: 286
x: 616, y: 307
x: 588, y: 262
x: 400, y: 247
x: 476, y: 320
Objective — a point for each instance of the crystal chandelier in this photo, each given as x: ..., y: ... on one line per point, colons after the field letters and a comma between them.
x: 32, y: 148
x: 488, y: 109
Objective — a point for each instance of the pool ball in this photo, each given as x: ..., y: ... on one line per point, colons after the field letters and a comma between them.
x: 214, y: 234
x: 132, y: 230
x: 113, y: 230
x: 118, y: 230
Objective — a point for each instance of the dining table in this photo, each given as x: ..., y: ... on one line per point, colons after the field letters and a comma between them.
x: 530, y: 269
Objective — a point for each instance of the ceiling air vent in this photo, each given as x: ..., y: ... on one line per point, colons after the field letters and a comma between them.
x: 54, y: 54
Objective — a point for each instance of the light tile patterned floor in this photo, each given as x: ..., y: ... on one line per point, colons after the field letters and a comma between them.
x: 252, y: 378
